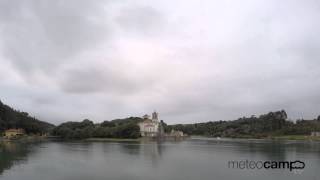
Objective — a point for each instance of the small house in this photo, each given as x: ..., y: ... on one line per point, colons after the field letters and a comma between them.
x: 317, y: 134
x: 175, y: 133
x: 13, y: 133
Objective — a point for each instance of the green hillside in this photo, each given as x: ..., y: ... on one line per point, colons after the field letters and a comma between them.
x: 11, y: 118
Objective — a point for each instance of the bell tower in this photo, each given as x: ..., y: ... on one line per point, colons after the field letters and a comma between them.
x: 155, y: 116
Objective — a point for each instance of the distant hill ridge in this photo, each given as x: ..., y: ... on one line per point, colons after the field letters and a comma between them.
x: 270, y: 124
x: 11, y: 118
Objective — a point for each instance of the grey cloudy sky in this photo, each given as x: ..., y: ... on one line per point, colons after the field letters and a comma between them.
x: 190, y: 60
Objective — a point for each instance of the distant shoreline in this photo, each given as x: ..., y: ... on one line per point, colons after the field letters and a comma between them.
x: 25, y: 139
x: 287, y: 137
x: 296, y: 137
x: 111, y: 140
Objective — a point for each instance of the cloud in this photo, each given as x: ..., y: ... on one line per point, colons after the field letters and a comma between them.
x: 91, y: 80
x: 40, y: 36
x: 140, y: 19
x: 199, y: 62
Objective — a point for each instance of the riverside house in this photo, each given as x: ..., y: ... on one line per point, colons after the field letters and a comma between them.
x: 317, y: 134
x: 13, y: 133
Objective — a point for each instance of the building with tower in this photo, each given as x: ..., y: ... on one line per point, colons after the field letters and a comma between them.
x: 150, y: 127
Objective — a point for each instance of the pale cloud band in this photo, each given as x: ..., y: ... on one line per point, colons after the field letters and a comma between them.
x: 191, y: 61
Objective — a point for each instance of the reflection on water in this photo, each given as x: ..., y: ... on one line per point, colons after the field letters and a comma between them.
x: 206, y: 158
x: 151, y: 151
x: 12, y: 153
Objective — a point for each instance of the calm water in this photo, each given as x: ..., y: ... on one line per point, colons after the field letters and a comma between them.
x: 205, y: 159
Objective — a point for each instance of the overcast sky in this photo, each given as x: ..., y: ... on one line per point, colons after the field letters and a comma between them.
x: 192, y: 61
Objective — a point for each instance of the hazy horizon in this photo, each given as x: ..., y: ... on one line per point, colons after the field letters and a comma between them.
x: 190, y: 61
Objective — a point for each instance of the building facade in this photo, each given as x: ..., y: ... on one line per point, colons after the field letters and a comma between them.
x: 175, y: 133
x: 150, y: 127
x: 13, y: 133
x: 317, y: 134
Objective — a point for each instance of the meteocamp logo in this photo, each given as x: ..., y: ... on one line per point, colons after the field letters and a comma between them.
x: 247, y: 164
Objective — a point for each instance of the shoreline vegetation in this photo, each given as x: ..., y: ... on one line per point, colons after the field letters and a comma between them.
x: 120, y: 128
x: 296, y: 137
x: 11, y: 118
x: 273, y: 125
x: 32, y: 139
x: 291, y: 137
x: 112, y: 140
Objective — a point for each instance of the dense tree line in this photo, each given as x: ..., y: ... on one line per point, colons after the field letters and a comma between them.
x: 119, y: 128
x: 273, y: 123
x: 11, y: 118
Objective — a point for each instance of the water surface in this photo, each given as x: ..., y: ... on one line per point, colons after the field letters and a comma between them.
x: 196, y: 158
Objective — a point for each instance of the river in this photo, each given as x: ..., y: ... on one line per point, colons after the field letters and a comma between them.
x: 194, y: 158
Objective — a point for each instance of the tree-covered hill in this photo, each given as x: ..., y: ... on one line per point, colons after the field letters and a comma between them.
x: 271, y: 124
x: 11, y: 118
x: 119, y: 128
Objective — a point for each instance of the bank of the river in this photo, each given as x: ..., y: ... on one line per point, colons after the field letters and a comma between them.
x: 25, y: 139
x: 143, y: 139
x: 296, y: 137
x: 112, y: 140
x: 287, y: 137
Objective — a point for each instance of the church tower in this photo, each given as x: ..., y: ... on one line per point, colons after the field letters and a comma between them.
x: 155, y: 116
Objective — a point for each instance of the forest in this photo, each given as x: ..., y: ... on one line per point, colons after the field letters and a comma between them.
x: 270, y: 124
x: 11, y: 118
x: 119, y: 128
x: 266, y: 125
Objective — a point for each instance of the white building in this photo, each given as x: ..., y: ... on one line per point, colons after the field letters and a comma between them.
x: 150, y: 127
x: 315, y: 134
x: 175, y: 133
